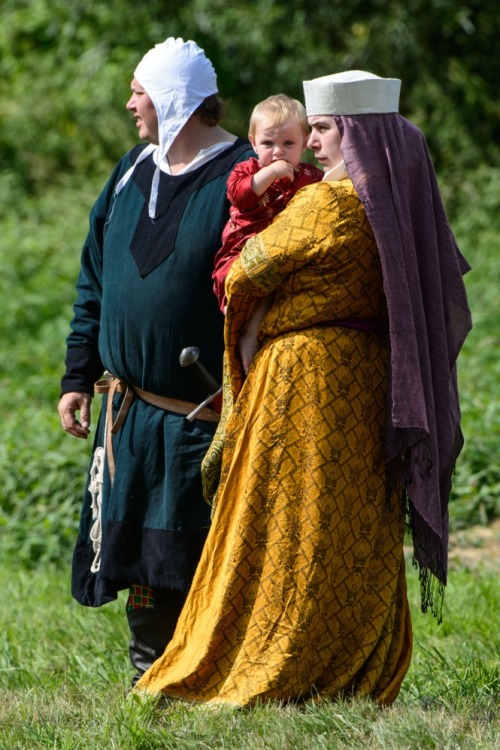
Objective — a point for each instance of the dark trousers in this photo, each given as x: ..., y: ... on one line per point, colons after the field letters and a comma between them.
x: 151, y: 628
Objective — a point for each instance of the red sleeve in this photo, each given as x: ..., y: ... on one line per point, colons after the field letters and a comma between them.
x: 223, y: 261
x: 307, y: 175
x: 239, y: 185
x: 242, y: 198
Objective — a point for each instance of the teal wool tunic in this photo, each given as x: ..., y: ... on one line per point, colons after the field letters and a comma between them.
x: 143, y: 294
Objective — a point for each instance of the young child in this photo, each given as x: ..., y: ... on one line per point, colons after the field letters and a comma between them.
x: 260, y: 188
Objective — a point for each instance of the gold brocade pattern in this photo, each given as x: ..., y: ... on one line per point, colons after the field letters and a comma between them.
x: 301, y: 587
x: 212, y: 462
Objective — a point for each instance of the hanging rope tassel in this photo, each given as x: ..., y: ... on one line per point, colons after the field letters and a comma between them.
x: 107, y: 385
x: 95, y: 489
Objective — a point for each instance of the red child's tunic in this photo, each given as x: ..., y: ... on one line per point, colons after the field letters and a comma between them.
x: 251, y: 213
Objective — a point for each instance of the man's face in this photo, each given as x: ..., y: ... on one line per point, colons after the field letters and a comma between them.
x: 143, y: 109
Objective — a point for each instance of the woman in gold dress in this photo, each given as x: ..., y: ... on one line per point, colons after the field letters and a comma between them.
x: 301, y: 589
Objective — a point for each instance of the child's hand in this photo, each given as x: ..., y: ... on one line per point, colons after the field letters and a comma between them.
x: 283, y: 170
x: 276, y: 170
x: 248, y: 346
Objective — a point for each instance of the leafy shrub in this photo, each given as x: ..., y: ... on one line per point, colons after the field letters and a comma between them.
x: 65, y: 69
x: 476, y: 221
x: 41, y: 468
x: 40, y: 500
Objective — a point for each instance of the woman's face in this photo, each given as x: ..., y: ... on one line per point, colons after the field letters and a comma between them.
x: 144, y: 111
x: 324, y: 140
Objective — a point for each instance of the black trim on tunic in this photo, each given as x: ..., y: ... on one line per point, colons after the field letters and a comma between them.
x: 154, y: 239
x: 143, y: 550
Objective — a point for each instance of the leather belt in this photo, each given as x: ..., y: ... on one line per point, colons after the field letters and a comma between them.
x: 112, y: 385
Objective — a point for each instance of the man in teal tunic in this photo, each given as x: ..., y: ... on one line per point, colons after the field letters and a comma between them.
x: 144, y: 293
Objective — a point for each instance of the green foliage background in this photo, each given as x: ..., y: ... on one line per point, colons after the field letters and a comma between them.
x: 65, y: 70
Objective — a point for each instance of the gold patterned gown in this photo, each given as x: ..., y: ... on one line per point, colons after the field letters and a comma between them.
x: 300, y: 591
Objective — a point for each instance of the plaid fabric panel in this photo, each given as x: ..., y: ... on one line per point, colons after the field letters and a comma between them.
x: 140, y: 597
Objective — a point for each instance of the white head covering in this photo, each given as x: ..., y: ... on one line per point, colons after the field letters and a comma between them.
x: 178, y: 77
x: 353, y: 92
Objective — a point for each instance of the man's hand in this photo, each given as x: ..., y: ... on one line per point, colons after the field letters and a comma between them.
x: 69, y: 405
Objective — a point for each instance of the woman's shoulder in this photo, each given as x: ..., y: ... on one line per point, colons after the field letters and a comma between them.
x: 325, y: 206
x: 329, y: 191
x: 342, y: 193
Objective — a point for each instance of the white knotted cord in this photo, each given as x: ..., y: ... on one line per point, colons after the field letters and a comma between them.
x: 95, y: 489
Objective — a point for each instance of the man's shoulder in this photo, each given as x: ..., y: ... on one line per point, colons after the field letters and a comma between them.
x: 126, y: 161
x: 225, y: 161
x: 240, y: 151
x: 134, y: 152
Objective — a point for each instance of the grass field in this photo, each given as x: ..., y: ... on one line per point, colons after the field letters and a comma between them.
x: 64, y: 678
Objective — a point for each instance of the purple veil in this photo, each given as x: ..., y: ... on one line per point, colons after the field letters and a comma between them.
x: 388, y: 161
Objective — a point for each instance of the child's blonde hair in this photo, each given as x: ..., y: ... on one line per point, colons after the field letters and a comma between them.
x: 279, y: 108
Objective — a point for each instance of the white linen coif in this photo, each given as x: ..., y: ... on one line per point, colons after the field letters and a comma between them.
x: 178, y: 77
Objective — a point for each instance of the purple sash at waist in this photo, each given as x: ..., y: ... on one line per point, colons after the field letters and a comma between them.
x: 377, y: 325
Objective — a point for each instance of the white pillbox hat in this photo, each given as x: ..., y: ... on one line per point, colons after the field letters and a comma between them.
x: 353, y: 92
